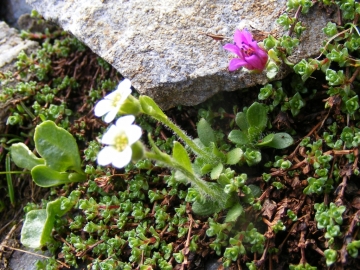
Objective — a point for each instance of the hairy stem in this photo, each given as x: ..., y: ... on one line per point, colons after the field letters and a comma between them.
x: 188, y: 141
x: 201, y: 184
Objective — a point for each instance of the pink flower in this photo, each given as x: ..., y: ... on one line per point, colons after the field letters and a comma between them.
x: 250, y: 55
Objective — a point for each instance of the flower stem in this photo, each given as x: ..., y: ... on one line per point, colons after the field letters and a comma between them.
x: 188, y: 141
x: 201, y: 184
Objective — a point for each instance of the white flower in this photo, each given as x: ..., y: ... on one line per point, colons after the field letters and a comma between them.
x: 111, y: 103
x: 119, y: 139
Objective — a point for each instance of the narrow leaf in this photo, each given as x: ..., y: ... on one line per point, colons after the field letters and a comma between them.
x: 57, y: 146
x: 205, y: 132
x: 23, y: 157
x: 181, y: 156
x: 9, y: 180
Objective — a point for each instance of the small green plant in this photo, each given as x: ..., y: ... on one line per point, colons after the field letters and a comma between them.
x: 329, y: 219
x: 60, y: 161
x: 252, y: 123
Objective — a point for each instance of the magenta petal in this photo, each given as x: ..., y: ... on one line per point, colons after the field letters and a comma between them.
x: 236, y: 63
x: 262, y: 55
x: 253, y: 62
x: 243, y: 37
x: 238, y: 37
x: 232, y: 48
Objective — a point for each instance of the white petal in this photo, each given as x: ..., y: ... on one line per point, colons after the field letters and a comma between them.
x: 110, y: 135
x: 111, y: 115
x: 121, y: 159
x: 125, y: 121
x: 112, y: 95
x: 133, y: 133
x: 102, y: 107
x: 124, y: 94
x: 106, y: 155
x: 125, y: 84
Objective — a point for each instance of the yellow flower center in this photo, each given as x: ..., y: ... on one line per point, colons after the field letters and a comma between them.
x: 121, y: 142
x: 116, y: 100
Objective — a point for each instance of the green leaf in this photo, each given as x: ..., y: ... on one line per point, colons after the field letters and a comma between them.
x: 77, y: 177
x: 234, y: 156
x: 23, y: 157
x: 265, y: 141
x: 272, y: 69
x: 234, y: 212
x: 198, y: 142
x: 137, y: 151
x: 216, y: 152
x: 238, y: 137
x: 216, y: 171
x: 241, y: 121
x: 206, y: 168
x: 255, y: 190
x: 206, y: 208
x: 149, y: 107
x: 57, y: 146
x: 130, y: 106
x: 205, y: 132
x: 256, y: 116
x: 254, y: 133
x: 180, y: 177
x: 279, y: 141
x: 223, y: 180
x: 33, y: 227
x: 38, y: 224
x: 44, y: 176
x: 181, y: 156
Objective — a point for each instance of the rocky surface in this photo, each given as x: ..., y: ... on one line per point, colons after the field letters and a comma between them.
x: 11, y: 10
x: 160, y: 46
x: 11, y: 44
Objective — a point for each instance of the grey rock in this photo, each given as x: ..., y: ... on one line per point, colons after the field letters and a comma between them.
x: 28, y: 23
x: 214, y: 264
x: 11, y: 44
x: 12, y: 10
x: 25, y: 261
x: 160, y: 47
